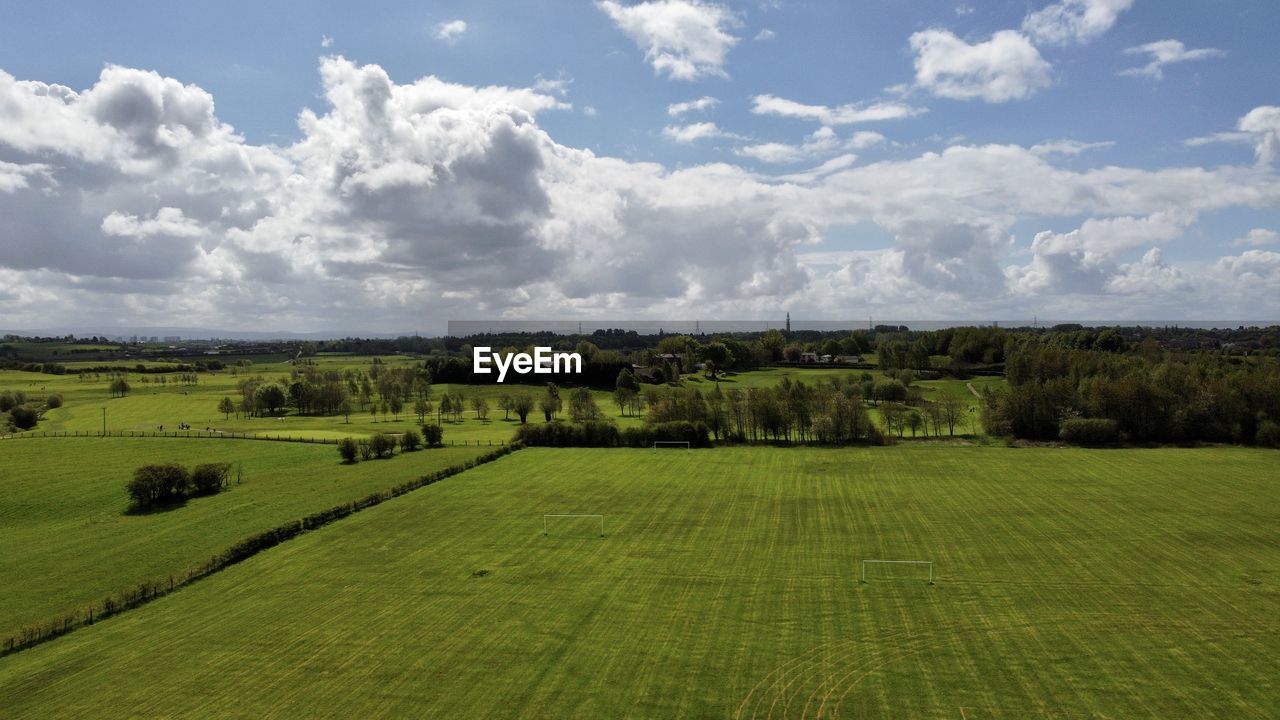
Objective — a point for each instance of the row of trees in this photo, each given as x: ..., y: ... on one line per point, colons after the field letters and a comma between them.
x: 1150, y: 397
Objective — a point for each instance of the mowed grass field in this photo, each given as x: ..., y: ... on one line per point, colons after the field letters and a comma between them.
x: 1070, y: 584
x: 66, y: 541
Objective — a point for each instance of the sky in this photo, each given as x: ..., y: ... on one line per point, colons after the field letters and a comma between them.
x: 313, y: 166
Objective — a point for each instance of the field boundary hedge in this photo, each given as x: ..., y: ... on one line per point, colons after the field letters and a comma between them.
x: 200, y: 434
x: 145, y: 592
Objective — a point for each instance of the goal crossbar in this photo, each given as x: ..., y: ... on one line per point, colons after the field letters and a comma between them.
x: 898, y: 562
x: 685, y: 443
x: 545, y: 529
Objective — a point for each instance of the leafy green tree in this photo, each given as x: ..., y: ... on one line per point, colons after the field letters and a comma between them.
x: 348, y: 449
x: 226, y: 406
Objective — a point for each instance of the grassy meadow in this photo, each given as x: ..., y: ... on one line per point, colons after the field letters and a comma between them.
x: 1069, y: 584
x: 67, y: 540
x: 152, y: 404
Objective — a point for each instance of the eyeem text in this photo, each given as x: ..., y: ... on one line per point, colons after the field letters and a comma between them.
x: 541, y: 362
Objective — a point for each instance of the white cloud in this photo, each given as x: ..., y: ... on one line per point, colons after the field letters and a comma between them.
x: 765, y: 34
x: 450, y: 31
x: 1166, y: 52
x: 1258, y: 237
x: 821, y: 141
x: 559, y: 85
x: 1005, y: 67
x: 842, y: 115
x: 694, y: 131
x: 702, y: 104
x: 1068, y: 147
x: 326, y: 41
x: 1073, y: 21
x: 405, y: 202
x: 1263, y: 125
x: 1259, y: 127
x: 167, y: 221
x: 589, y: 110
x: 685, y: 39
x: 964, y: 9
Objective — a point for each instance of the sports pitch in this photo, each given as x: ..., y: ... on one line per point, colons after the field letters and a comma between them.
x: 1069, y: 584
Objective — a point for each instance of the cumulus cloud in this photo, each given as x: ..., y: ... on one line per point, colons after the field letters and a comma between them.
x: 1262, y: 125
x: 695, y: 131
x: 1003, y: 68
x: 1073, y: 21
x: 821, y: 141
x: 842, y: 115
x: 1258, y: 237
x: 765, y: 34
x: 702, y: 104
x: 450, y: 31
x: 403, y: 203
x: 1166, y: 52
x: 326, y: 41
x: 684, y: 39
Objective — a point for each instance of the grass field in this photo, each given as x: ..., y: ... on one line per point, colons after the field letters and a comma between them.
x: 151, y: 404
x: 1070, y: 584
x: 67, y: 542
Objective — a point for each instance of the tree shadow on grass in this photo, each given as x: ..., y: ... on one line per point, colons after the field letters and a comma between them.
x: 156, y: 508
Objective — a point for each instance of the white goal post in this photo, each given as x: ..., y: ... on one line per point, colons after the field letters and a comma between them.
x: 673, y: 443
x: 546, y: 529
x: 898, y: 562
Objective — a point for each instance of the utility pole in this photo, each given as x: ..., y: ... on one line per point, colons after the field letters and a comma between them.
x: 104, y: 422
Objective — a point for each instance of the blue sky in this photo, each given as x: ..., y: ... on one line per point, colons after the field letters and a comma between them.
x: 1170, y: 208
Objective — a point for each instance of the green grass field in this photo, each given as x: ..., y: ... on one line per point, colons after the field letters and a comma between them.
x: 1070, y: 584
x: 151, y: 404
x: 67, y: 541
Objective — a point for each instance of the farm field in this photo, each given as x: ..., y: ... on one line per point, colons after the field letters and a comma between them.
x: 1069, y: 584
x: 151, y: 404
x: 67, y: 541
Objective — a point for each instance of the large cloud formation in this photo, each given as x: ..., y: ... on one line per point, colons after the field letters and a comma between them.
x: 404, y: 204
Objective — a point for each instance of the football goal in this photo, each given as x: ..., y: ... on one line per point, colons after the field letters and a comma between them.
x: 671, y: 443
x: 546, y: 520
x: 893, y: 563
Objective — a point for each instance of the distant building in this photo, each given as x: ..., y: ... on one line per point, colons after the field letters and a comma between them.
x: 172, y: 338
x: 808, y: 357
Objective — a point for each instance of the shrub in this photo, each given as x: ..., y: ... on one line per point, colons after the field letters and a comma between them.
x: 366, y: 448
x: 159, y: 483
x: 382, y: 444
x: 433, y: 435
x: 410, y: 441
x: 1089, y: 431
x: 590, y: 434
x: 697, y: 434
x: 23, y: 417
x: 348, y: 449
x: 210, y: 478
x: 53, y: 402
x: 1268, y: 434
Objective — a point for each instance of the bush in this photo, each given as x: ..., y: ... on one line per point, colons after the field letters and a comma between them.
x: 1268, y: 434
x: 53, y: 402
x: 382, y: 444
x: 210, y: 479
x: 433, y: 435
x: 158, y: 484
x: 697, y: 434
x: 590, y: 434
x: 348, y: 449
x: 1089, y: 431
x: 366, y: 448
x: 410, y: 441
x: 23, y: 417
